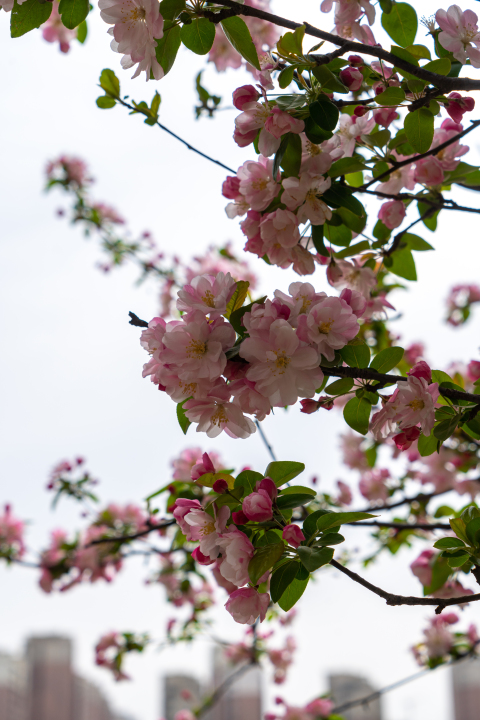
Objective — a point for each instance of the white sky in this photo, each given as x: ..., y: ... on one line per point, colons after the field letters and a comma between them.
x: 71, y: 378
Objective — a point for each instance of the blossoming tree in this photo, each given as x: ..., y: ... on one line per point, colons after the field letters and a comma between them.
x: 355, y: 122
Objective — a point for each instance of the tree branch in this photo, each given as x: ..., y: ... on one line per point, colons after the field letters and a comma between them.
x: 222, y: 689
x: 134, y: 536
x: 401, y: 526
x: 441, y: 204
x: 420, y: 498
x: 368, y: 374
x: 443, y: 83
x: 392, y: 599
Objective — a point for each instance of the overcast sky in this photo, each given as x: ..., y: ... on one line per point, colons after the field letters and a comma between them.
x: 71, y: 377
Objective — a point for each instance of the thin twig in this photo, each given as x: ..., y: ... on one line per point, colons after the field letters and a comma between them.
x: 392, y: 599
x: 222, y: 689
x: 441, y: 204
x: 401, y: 526
x: 265, y: 441
x: 420, y: 498
x: 134, y: 536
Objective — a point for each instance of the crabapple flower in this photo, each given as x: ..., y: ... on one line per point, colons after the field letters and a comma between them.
x: 392, y: 213
x: 385, y: 116
x: 303, y: 194
x: 405, y: 439
x: 202, y: 467
x: 413, y: 403
x: 352, y: 78
x: 215, y: 413
x: 355, y: 300
x: 422, y: 567
x: 281, y: 367
x: 249, y: 400
x: 207, y: 293
x: 258, y: 506
x: 457, y: 105
x: 182, y: 507
x: 246, y: 605
x: 206, y: 529
x: 459, y: 34
x: 429, y: 171
x: 352, y: 275
x: 222, y: 53
x: 53, y: 30
x: 243, y: 95
x: 237, y: 551
x: 11, y: 535
x: 282, y: 659
x: 372, y: 485
x: 300, y: 300
x: 351, y: 127
x: 256, y: 183
x: 421, y: 370
x: 280, y: 122
x: 344, y: 496
x: 293, y: 535
x: 329, y: 326
x: 190, y: 458
x: 279, y: 228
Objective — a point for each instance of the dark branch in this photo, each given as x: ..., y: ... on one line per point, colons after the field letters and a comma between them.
x: 440, y: 204
x: 442, y: 83
x: 135, y: 320
x: 398, y: 238
x: 222, y: 689
x: 420, y: 498
x: 402, y: 526
x: 368, y: 374
x: 392, y: 599
x: 124, y: 538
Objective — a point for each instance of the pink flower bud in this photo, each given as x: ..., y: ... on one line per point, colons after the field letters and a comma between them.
x: 220, y: 486
x: 258, y: 506
x: 201, y: 468
x: 392, y: 213
x: 385, y: 116
x: 457, y: 106
x: 421, y: 370
x: 200, y: 558
x: 352, y: 78
x: 244, y: 139
x: 246, y: 605
x: 355, y: 300
x: 404, y: 439
x: 421, y: 567
x: 239, y: 518
x: 243, y: 95
x: 231, y: 187
x: 473, y: 370
x: 355, y: 60
x: 309, y: 406
x: 269, y: 486
x: 293, y: 535
x: 360, y: 111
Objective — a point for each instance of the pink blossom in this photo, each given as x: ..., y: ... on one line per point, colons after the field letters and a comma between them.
x: 68, y: 168
x: 405, y: 439
x: 473, y: 370
x: 303, y: 262
x: 208, y: 294
x: 372, y: 485
x: 231, y: 187
x: 282, y: 659
x: 249, y: 400
x: 196, y: 348
x: 280, y: 122
x: 429, y: 171
x: 201, y: 468
x: 293, y: 535
x: 311, y: 406
x: 440, y: 470
x: 422, y: 567
x: 304, y: 194
x: 459, y: 31
x: 345, y: 496
x: 246, y: 605
x: 243, y: 95
x: 438, y: 639
x: 237, y: 551
x: 281, y: 367
x: 182, y: 507
x: 355, y: 300
x: 351, y: 128
x: 279, y: 228
x: 414, y: 352
x: 301, y: 298
x: 317, y: 159
x: 457, y: 106
x: 448, y: 157
x: 398, y: 179
x: 239, y: 518
x: 252, y: 119
x: 392, y: 213
x: 11, y: 535
x: 353, y: 455
x: 385, y: 116
x: 352, y: 274
x: 215, y: 413
x: 137, y: 24
x: 421, y: 370
x: 190, y: 458
x: 264, y: 33
x: 206, y: 529
x: 220, y: 580
x: 258, y: 506
x: 184, y: 715
x: 53, y: 30
x: 329, y: 326
x: 452, y: 589
x: 352, y: 78
x: 256, y: 183
x: 413, y: 403
x: 321, y: 707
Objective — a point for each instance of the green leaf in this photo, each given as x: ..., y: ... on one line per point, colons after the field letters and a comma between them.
x: 28, y: 16
x: 293, y: 593
x: 338, y: 235
x: 198, y: 36
x: 286, y: 76
x: 326, y: 522
x: 110, y: 83
x: 324, y: 113
x: 444, y: 429
x: 82, y: 32
x: 458, y: 526
x: 286, y: 502
x: 167, y: 47
x: 238, y: 35
x: 381, y: 232
x: 387, y: 359
x: 339, y: 195
x: 442, y: 66
x: 427, y: 445
x: 283, y: 471
x: 419, y: 129
x: 345, y: 166
x: 401, y: 24
x: 282, y: 577
x: 414, y: 242
x: 171, y: 9
x: 357, y: 414
x: 329, y: 81
x: 440, y: 574
x: 419, y: 51
x: 263, y: 559
x: 105, y: 102
x: 292, y: 158
x: 455, y: 562
x: 330, y: 539
x: 379, y: 138
x: 440, y: 376
x: 277, y: 160
x: 183, y: 421
x: 315, y: 133
x: 344, y: 385
x: 317, y: 239
x: 310, y: 522
x: 448, y: 542
x: 403, y: 264
x: 390, y: 96
x: 238, y: 298
x: 313, y: 558
x: 472, y: 530
x: 356, y: 355
x: 73, y: 12
x: 248, y: 480
x: 292, y: 42
x: 353, y: 249
x: 295, y: 489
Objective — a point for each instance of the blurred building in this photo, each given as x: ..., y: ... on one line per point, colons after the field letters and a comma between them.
x: 44, y: 686
x: 180, y: 692
x: 346, y: 688
x: 466, y: 689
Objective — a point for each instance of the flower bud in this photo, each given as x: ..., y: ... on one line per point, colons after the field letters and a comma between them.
x: 243, y: 95
x: 293, y: 535
x: 355, y: 60
x: 239, y: 517
x: 220, y: 486
x: 352, y: 78
x: 421, y: 370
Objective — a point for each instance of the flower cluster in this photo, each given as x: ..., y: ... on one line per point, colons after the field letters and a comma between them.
x: 459, y: 303
x: 111, y: 649
x: 12, y: 545
x: 55, y: 31
x: 423, y: 567
x: 277, y: 362
x: 318, y: 708
x: 348, y: 17
x: 440, y: 644
x: 137, y: 24
x: 68, y: 478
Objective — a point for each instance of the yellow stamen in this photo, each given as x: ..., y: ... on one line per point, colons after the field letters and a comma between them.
x: 196, y: 349
x: 209, y: 298
x: 416, y: 404
x: 324, y: 327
